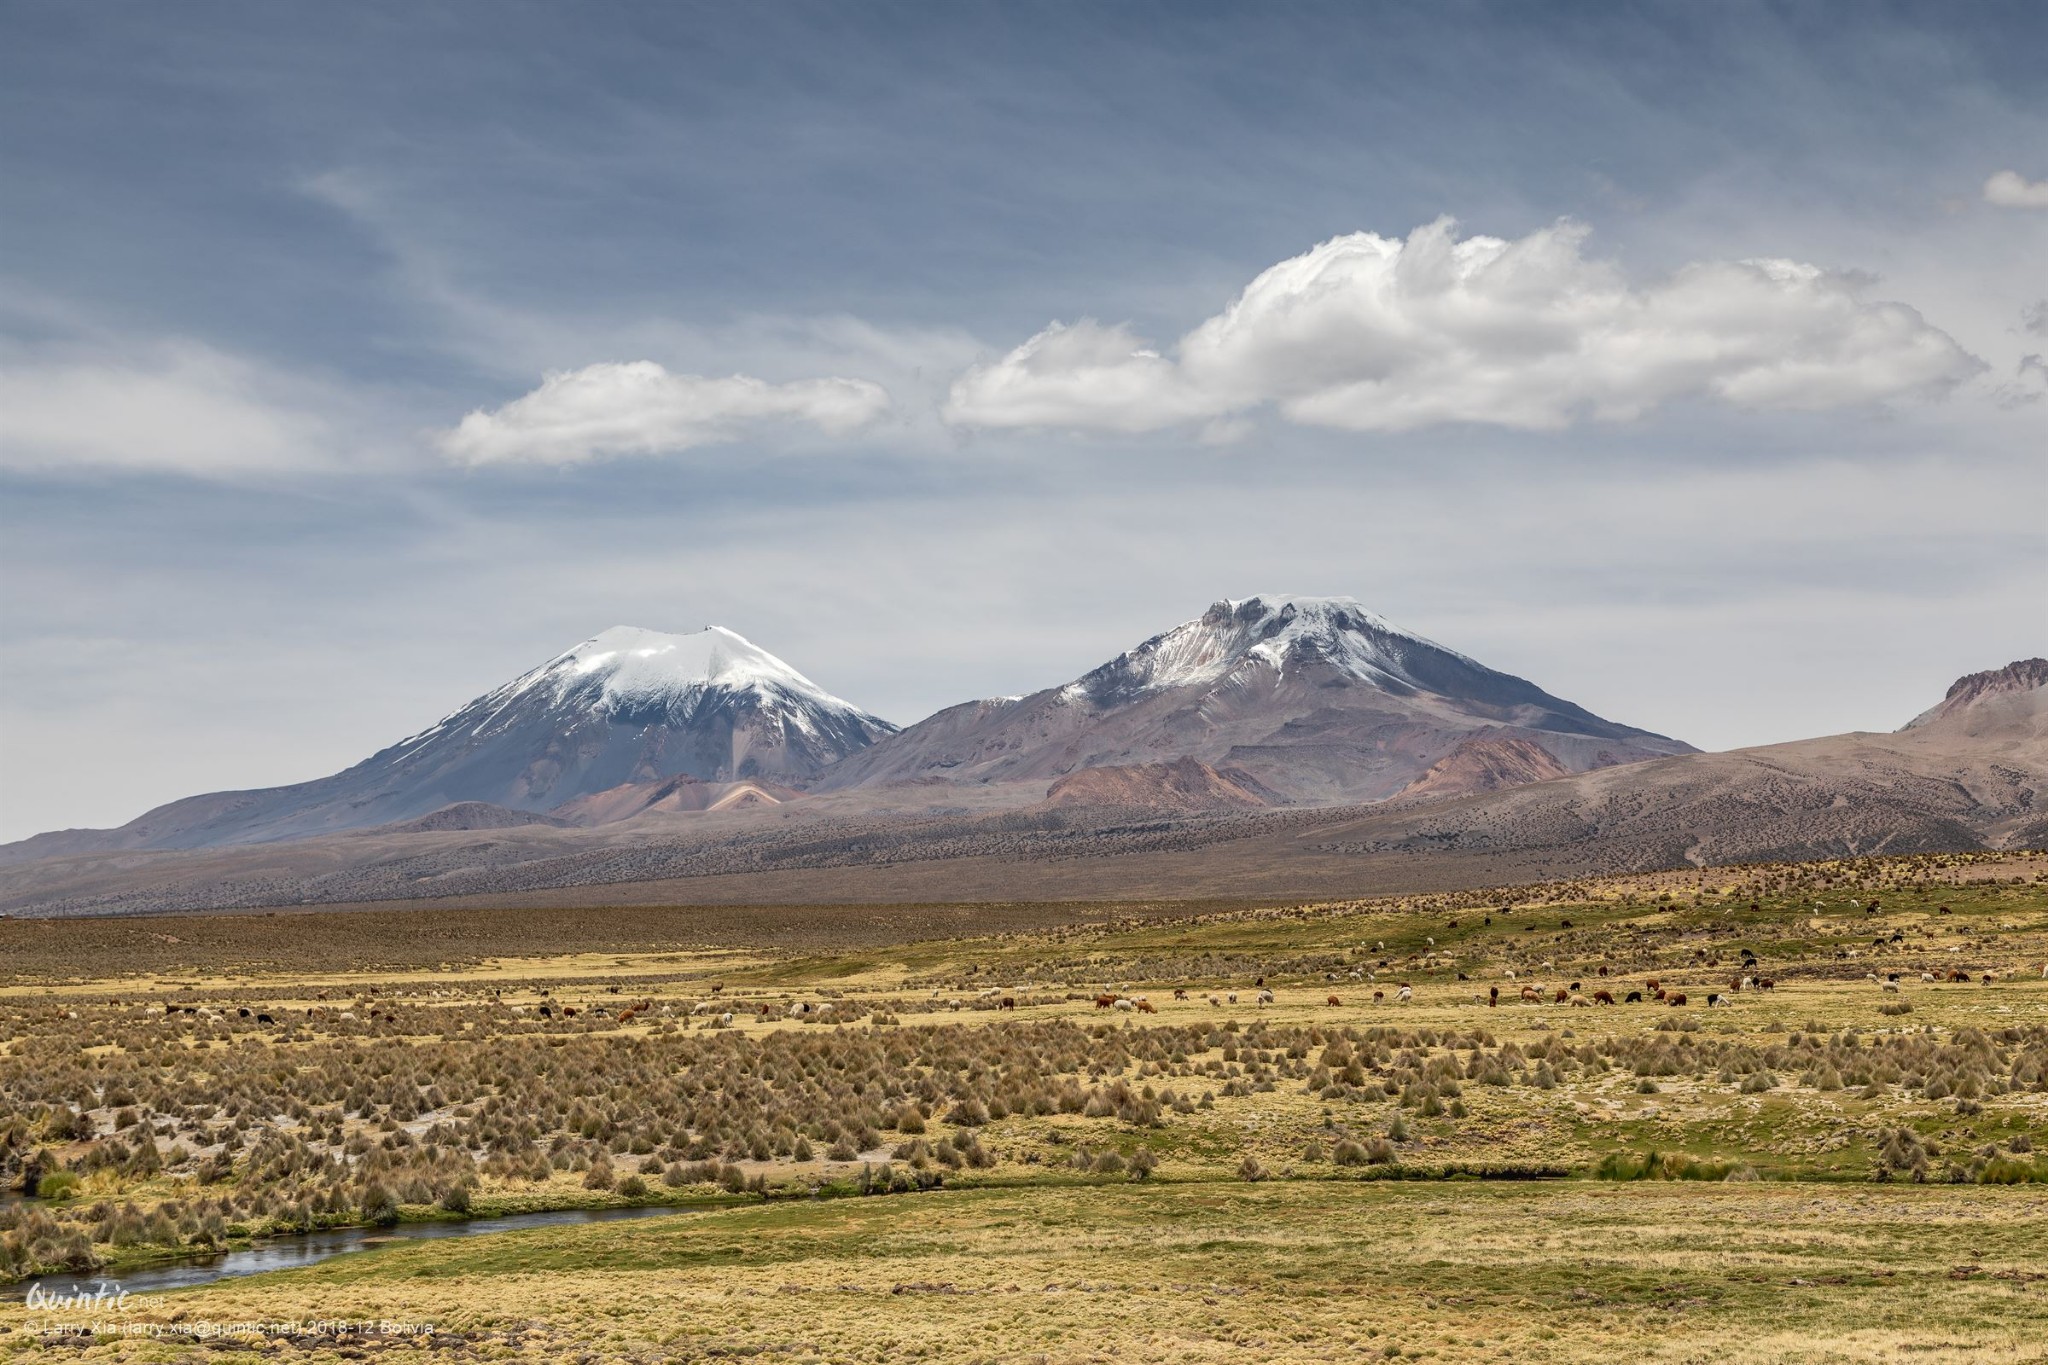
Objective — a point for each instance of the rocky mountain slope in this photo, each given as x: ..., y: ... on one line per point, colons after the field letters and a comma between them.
x: 1185, y: 784
x: 1487, y: 762
x: 1975, y: 778
x: 1314, y: 698
x: 2000, y: 699
x: 680, y: 793
x: 626, y: 706
x: 1971, y: 773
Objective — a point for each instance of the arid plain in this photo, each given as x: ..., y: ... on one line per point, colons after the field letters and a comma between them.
x: 1088, y: 1135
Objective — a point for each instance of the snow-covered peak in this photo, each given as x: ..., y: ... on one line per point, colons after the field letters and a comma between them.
x: 1275, y: 631
x: 632, y: 671
x: 638, y: 664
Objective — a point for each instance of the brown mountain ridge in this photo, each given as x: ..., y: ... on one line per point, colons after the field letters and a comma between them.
x: 1974, y: 777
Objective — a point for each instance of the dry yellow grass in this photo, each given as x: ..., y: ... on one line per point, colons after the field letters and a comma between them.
x: 1198, y: 1273
x: 1029, y: 1258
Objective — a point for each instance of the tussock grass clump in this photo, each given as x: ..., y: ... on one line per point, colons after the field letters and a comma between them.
x: 356, y: 1127
x: 1668, y: 1166
x: 194, y: 1114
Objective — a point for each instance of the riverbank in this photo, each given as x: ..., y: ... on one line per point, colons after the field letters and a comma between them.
x: 132, y: 1262
x: 1204, y: 1272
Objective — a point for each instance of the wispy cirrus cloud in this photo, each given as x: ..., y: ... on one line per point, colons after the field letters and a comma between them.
x: 175, y: 406
x: 640, y: 408
x: 1370, y: 333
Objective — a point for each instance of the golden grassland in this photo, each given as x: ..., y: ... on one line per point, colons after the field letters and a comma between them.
x: 1280, y: 1271
x: 1815, y: 1171
x: 421, y: 940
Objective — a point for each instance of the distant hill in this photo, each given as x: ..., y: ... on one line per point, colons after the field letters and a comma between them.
x: 1487, y: 762
x: 1185, y: 784
x: 1970, y: 773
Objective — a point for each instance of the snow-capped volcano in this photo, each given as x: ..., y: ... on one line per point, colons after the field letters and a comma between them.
x: 1301, y: 699
x: 1273, y: 635
x: 1316, y: 698
x: 632, y: 676
x: 625, y: 706
x: 635, y: 705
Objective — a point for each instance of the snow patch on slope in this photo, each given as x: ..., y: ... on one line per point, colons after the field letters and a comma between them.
x: 639, y: 666
x: 1277, y: 632
x: 632, y: 670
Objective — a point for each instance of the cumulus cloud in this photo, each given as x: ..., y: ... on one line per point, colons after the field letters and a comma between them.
x: 1082, y: 375
x: 639, y: 408
x: 1369, y: 333
x: 173, y: 407
x: 2011, y: 190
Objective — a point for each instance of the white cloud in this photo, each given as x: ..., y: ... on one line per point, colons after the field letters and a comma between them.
x: 1079, y: 375
x: 175, y: 406
x: 2011, y: 190
x: 639, y: 408
x: 1368, y: 333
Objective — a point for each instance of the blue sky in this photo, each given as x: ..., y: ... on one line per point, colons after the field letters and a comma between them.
x: 259, y: 262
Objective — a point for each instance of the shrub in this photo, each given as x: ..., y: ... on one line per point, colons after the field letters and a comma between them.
x: 379, y: 1206
x: 1902, y: 1152
x: 2011, y: 1171
x: 968, y: 1113
x: 1665, y: 1166
x: 56, y: 1185
x: 63, y: 1125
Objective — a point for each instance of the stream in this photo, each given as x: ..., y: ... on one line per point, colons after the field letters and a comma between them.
x: 310, y: 1248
